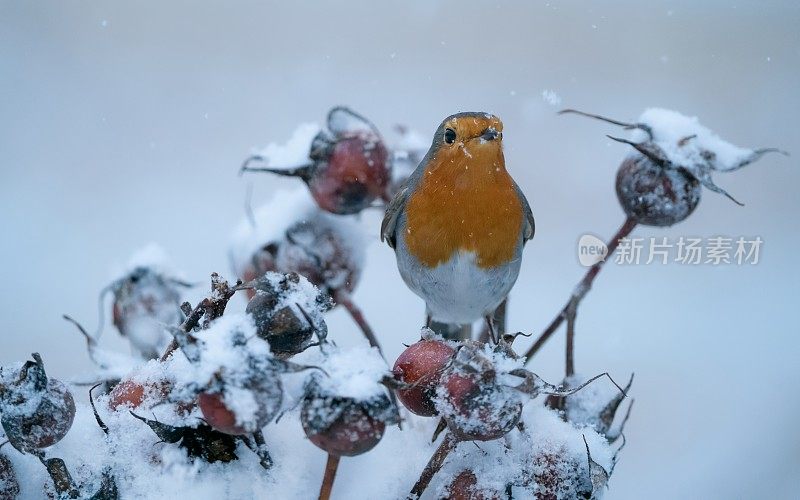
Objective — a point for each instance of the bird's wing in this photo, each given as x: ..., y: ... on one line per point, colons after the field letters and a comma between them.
x: 530, y: 225
x: 398, y: 203
x: 393, y: 210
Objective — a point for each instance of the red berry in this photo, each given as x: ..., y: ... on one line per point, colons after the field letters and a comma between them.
x: 144, y: 301
x: 355, y: 174
x: 465, y: 487
x: 656, y: 195
x: 349, y: 165
x: 472, y: 402
x: 345, y: 425
x: 220, y: 410
x: 421, y: 365
x: 478, y: 410
x: 318, y: 248
x: 132, y: 394
x: 217, y: 414
x: 37, y: 411
x: 9, y: 486
x: 341, y: 426
x: 552, y: 477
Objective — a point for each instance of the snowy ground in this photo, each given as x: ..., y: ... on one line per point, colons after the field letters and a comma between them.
x: 120, y: 125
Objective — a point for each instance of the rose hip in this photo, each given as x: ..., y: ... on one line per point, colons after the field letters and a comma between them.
x: 654, y: 195
x: 421, y: 366
x: 472, y: 401
x: 348, y: 430
x: 465, y: 487
x: 36, y: 411
x: 349, y: 167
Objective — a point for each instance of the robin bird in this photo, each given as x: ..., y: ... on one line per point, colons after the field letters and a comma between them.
x: 459, y: 223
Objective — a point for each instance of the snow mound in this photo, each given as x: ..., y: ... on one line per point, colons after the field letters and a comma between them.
x: 687, y: 142
x: 293, y: 152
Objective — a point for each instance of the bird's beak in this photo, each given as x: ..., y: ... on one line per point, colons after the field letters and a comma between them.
x: 490, y: 134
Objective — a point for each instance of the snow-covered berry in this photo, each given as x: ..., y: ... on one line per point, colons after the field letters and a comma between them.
x: 464, y: 486
x: 348, y: 167
x: 472, y: 396
x: 35, y: 411
x: 660, y: 183
x: 654, y: 195
x: 288, y: 310
x: 346, y: 409
x: 146, y: 298
x: 290, y: 234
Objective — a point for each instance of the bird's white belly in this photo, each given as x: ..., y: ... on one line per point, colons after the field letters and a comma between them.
x: 458, y: 291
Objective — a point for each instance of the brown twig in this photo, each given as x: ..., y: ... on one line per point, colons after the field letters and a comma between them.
x: 449, y: 443
x: 208, y: 309
x: 331, y: 467
x: 570, y: 355
x: 581, y: 290
x: 344, y: 298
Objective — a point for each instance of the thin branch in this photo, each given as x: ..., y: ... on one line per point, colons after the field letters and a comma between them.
x: 344, y: 298
x: 449, y: 443
x: 627, y: 126
x: 91, y: 342
x: 99, y: 420
x: 331, y: 466
x: 570, y: 355
x: 211, y: 307
x: 582, y: 289
x: 264, y: 458
x: 248, y: 206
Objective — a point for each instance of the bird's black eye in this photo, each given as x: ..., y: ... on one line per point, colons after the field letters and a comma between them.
x: 449, y: 136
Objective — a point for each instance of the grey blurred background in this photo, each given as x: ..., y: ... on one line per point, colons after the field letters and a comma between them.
x: 124, y: 123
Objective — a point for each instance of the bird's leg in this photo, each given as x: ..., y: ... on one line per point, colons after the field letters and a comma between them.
x: 490, y: 327
x: 451, y: 331
x: 428, y: 321
x: 499, y: 322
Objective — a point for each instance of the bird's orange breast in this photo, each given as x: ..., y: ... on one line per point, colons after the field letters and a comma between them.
x: 464, y: 203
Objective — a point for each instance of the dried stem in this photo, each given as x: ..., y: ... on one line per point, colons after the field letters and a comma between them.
x: 581, y: 290
x: 449, y: 443
x: 211, y: 307
x: 62, y: 480
x: 265, y: 459
x: 331, y: 467
x: 570, y: 357
x: 344, y: 298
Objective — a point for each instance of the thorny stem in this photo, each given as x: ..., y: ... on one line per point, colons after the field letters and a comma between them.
x: 449, y: 443
x: 344, y: 298
x: 211, y: 307
x: 331, y: 466
x: 581, y: 290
